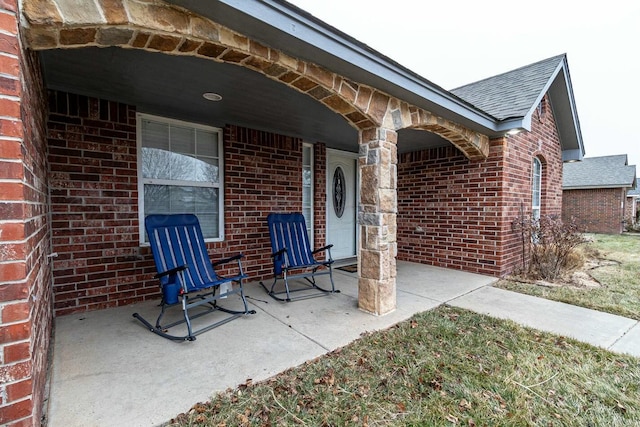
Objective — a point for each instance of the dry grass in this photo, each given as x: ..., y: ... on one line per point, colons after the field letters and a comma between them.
x: 443, y: 367
x: 616, y: 281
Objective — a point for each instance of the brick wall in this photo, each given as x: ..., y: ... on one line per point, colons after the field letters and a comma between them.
x: 457, y: 214
x: 25, y: 275
x: 595, y: 210
x: 94, y: 198
x: 448, y: 209
x: 630, y: 211
x: 320, y: 195
x: 263, y: 174
x: 542, y: 142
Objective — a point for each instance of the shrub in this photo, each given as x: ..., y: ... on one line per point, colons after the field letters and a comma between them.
x: 632, y: 228
x: 548, y: 245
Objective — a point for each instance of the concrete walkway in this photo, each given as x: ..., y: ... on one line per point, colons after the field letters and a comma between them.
x: 615, y: 333
x: 108, y: 370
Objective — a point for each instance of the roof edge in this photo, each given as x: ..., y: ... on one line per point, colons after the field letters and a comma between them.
x: 572, y: 100
x: 545, y: 89
x: 596, y: 187
x: 572, y: 155
x: 302, y: 25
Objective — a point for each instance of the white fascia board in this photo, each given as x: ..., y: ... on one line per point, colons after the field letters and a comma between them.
x: 597, y: 187
x: 322, y: 36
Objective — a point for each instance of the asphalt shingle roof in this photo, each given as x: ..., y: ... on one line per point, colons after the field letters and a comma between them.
x: 511, y: 94
x: 599, y: 172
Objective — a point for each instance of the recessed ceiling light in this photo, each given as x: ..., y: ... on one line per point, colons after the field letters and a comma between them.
x: 211, y: 96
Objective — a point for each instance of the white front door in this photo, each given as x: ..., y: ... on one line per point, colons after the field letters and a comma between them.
x: 341, y: 203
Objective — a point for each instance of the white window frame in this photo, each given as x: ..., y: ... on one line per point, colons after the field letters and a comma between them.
x: 310, y: 223
x: 536, y: 183
x: 142, y: 181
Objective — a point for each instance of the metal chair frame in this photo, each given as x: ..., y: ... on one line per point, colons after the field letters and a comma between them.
x: 293, y: 258
x: 184, y: 267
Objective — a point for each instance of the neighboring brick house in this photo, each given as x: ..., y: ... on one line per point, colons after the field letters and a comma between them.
x: 106, y: 115
x: 594, y: 193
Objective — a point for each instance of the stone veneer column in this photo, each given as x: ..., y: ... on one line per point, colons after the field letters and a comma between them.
x: 378, y: 206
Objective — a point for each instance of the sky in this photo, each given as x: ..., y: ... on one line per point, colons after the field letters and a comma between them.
x: 455, y: 42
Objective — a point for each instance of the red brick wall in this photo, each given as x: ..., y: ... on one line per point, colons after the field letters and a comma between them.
x: 448, y: 209
x: 94, y: 200
x: 25, y: 275
x: 595, y: 210
x: 542, y: 142
x: 263, y: 174
x: 320, y: 195
x: 458, y: 214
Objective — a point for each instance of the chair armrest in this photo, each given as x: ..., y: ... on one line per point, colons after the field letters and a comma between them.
x: 169, y: 272
x: 226, y: 260
x: 322, y: 249
x: 280, y: 252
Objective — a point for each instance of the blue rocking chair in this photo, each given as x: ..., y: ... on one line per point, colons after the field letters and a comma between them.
x: 184, y: 269
x: 291, y: 253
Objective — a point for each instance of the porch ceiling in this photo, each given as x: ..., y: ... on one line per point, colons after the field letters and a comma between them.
x: 172, y: 86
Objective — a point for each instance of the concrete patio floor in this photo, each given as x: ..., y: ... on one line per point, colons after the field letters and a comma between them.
x: 108, y: 370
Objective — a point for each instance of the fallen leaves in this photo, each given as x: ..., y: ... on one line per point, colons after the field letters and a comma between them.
x: 247, y: 383
x: 620, y: 407
x: 464, y: 405
x: 199, y: 408
x: 436, y: 383
x: 329, y: 378
x: 420, y: 370
x: 453, y: 316
x: 243, y: 419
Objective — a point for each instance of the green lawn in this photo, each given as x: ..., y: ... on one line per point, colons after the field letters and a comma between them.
x: 443, y: 367
x: 620, y: 290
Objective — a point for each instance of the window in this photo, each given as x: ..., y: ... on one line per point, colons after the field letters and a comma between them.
x: 307, y: 188
x: 536, y: 188
x: 180, y: 171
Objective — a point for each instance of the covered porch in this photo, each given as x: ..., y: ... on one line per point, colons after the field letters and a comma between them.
x: 91, y: 82
x: 116, y: 75
x: 108, y: 370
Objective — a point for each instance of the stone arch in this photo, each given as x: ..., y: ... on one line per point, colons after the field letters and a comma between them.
x: 160, y: 27
x: 474, y: 145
